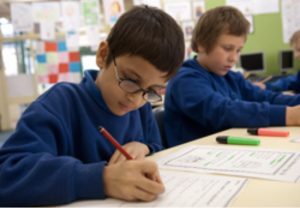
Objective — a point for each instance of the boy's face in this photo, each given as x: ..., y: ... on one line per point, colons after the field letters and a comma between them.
x: 223, y: 55
x: 130, y: 68
x: 296, y: 48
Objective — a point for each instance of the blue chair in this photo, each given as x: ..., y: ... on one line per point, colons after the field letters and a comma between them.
x: 159, y: 117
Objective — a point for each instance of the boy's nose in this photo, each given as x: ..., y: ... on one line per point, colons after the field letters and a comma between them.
x: 233, y: 57
x: 136, y: 99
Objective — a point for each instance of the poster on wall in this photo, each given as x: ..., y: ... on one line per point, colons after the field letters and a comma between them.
x: 70, y: 13
x: 198, y: 9
x: 72, y: 40
x: 290, y: 17
x: 46, y: 12
x: 90, y: 12
x: 266, y: 6
x: 246, y: 7
x: 47, y: 31
x: 46, y: 16
x: 154, y: 3
x: 55, y: 63
x: 113, y: 9
x: 21, y: 16
x: 179, y: 9
x: 187, y: 28
x: 255, y: 6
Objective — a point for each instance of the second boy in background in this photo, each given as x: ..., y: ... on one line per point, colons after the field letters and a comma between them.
x: 291, y: 82
x: 205, y: 97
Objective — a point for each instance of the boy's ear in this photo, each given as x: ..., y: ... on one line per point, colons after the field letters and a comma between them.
x: 201, y: 49
x: 102, y: 53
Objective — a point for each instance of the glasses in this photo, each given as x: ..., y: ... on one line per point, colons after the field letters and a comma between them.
x: 130, y: 86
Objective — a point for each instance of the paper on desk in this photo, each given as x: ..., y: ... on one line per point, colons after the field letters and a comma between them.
x: 295, y: 139
x: 185, y: 189
x: 261, y: 163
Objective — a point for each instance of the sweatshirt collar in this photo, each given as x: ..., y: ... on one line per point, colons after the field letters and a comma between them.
x: 89, y: 83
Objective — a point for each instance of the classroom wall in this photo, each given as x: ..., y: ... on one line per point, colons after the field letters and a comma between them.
x: 267, y: 37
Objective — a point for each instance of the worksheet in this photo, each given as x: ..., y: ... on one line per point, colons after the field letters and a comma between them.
x: 184, y: 189
x: 252, y: 162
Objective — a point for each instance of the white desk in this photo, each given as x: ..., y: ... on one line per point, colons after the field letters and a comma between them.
x: 257, y: 192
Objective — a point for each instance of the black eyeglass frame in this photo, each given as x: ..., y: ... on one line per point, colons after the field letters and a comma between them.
x: 149, y: 95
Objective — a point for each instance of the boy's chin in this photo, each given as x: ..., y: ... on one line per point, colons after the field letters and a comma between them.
x: 223, y: 73
x: 120, y: 112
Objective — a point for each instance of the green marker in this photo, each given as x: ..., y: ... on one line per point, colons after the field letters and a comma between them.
x: 237, y: 140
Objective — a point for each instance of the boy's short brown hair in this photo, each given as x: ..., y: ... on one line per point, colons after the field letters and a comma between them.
x: 150, y: 33
x: 215, y: 22
x: 295, y: 37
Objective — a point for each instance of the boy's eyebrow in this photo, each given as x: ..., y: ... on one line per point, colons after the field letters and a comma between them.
x: 159, y: 86
x: 128, y: 70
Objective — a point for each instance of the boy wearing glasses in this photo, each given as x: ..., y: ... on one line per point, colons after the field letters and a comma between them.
x: 57, y: 151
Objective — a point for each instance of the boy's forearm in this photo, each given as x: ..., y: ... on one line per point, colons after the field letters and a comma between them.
x: 52, y: 181
x: 293, y: 116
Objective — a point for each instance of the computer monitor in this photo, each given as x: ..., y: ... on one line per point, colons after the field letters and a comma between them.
x: 252, y: 62
x: 286, y: 60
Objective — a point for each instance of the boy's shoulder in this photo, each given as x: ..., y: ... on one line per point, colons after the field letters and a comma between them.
x: 191, y: 69
x: 145, y: 109
x: 60, y: 90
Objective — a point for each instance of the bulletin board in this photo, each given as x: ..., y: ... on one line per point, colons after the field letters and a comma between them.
x: 55, y: 63
x: 267, y: 37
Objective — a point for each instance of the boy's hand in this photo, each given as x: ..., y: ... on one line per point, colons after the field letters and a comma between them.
x: 261, y: 85
x: 136, y: 150
x: 293, y: 116
x: 133, y: 180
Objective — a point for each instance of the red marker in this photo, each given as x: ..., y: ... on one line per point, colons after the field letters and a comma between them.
x: 267, y: 132
x: 114, y: 142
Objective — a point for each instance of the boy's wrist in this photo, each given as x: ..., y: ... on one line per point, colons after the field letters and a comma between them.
x: 150, y: 150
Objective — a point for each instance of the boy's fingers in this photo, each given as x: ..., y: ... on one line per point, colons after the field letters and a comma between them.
x: 112, y: 159
x: 115, y: 157
x: 143, y: 195
x: 151, y: 186
x: 148, y: 166
x: 157, y: 178
x: 150, y: 169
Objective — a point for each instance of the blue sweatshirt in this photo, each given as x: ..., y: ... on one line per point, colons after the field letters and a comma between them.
x: 57, y: 154
x: 199, y: 103
x: 291, y: 82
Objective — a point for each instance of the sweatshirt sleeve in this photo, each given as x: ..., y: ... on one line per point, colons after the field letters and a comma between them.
x: 281, y: 84
x: 255, y: 94
x: 35, y: 169
x: 194, y: 95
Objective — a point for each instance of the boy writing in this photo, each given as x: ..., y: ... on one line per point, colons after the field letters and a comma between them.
x: 205, y: 97
x: 291, y: 82
x: 57, y: 151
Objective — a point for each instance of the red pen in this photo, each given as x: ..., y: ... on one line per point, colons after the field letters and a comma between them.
x: 267, y: 132
x: 114, y: 142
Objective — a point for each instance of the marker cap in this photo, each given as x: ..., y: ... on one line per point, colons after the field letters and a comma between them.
x: 222, y: 139
x: 253, y: 131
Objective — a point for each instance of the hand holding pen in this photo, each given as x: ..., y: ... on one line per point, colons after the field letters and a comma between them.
x: 114, y: 142
x: 129, y: 151
x: 132, y: 180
